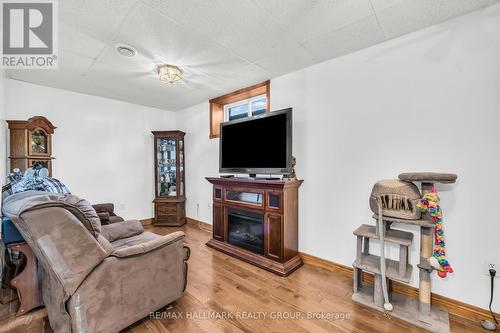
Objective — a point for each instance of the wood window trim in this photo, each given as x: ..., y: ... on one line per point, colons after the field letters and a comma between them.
x: 217, y: 104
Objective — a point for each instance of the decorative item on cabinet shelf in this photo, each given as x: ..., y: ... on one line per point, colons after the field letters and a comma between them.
x: 292, y: 174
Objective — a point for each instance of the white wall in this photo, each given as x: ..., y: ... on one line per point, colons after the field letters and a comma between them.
x: 428, y: 101
x: 202, y: 160
x: 103, y: 147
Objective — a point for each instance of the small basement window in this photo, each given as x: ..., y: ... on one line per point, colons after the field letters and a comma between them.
x: 239, y: 104
x: 245, y: 108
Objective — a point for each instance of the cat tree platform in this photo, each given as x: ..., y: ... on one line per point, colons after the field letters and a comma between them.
x: 421, y: 222
x: 371, y: 264
x: 406, y: 308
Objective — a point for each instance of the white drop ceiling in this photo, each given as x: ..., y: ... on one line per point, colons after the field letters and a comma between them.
x: 222, y: 45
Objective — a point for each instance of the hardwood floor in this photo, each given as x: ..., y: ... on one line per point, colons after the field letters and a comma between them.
x: 252, y: 299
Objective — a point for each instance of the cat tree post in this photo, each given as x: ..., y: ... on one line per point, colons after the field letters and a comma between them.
x: 426, y: 233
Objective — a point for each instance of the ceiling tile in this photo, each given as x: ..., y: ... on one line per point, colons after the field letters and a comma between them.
x: 71, y: 68
x: 286, y: 60
x: 306, y: 20
x: 351, y: 38
x: 409, y: 15
x: 263, y: 43
x: 239, y: 26
x: 225, y: 22
x: 79, y: 42
x: 244, y: 77
x: 383, y: 4
x: 99, y: 19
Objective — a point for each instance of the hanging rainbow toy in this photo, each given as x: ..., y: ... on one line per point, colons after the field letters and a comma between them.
x: 430, y: 202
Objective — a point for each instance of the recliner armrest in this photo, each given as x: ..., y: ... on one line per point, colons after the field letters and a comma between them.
x: 121, y: 230
x: 149, y: 245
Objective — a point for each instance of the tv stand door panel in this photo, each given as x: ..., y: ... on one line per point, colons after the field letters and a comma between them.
x: 218, y: 222
x: 274, y: 235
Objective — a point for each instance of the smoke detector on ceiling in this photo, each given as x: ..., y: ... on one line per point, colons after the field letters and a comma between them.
x: 126, y: 50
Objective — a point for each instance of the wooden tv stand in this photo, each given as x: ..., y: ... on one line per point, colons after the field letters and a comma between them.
x: 265, y: 209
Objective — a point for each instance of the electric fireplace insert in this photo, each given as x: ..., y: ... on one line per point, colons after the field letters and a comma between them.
x: 246, y: 230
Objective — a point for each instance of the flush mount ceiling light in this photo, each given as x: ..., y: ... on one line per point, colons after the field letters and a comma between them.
x: 169, y: 73
x: 126, y: 50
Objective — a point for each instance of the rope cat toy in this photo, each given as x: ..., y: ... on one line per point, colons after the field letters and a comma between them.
x: 430, y: 202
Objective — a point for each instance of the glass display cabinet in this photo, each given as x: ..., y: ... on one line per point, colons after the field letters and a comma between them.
x: 169, y: 178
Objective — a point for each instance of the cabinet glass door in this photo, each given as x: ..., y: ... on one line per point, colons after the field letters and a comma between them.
x: 166, y: 168
x: 181, y: 167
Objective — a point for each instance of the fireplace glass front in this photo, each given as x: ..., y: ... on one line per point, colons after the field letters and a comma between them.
x: 246, y: 230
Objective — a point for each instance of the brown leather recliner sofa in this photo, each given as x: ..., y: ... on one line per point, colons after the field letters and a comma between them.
x: 97, y: 278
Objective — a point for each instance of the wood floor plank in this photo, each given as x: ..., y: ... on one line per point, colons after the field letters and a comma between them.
x: 220, y: 284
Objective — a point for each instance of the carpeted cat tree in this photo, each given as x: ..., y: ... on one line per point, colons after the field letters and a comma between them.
x: 400, y: 201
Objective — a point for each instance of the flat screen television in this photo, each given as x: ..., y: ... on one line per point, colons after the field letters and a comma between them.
x: 260, y: 144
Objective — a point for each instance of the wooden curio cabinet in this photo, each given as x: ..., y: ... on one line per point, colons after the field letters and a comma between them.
x: 170, y: 196
x: 30, y: 143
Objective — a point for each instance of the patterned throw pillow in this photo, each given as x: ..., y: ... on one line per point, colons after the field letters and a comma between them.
x: 28, y: 183
x: 31, y: 179
x: 47, y: 184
